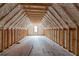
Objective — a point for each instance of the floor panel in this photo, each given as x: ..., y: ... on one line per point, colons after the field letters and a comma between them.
x: 36, y: 46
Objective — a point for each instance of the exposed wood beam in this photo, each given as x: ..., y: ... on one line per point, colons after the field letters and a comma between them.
x: 2, y: 4
x: 51, y: 21
x: 76, y: 7
x: 35, y: 12
x: 64, y: 15
x: 38, y: 14
x: 9, y: 16
x: 3, y: 15
x: 17, y: 20
x: 14, y: 19
x: 42, y: 4
x: 51, y: 24
x: 57, y: 16
x: 27, y: 10
x: 35, y: 8
x: 47, y: 23
x: 54, y: 19
x: 35, y: 16
x: 16, y: 25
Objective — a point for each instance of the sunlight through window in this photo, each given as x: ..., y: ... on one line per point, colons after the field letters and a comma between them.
x: 35, y: 28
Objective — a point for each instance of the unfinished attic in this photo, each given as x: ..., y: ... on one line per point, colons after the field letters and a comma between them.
x: 39, y: 29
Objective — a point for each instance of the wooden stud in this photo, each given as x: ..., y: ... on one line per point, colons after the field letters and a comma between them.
x: 9, y: 37
x: 67, y: 39
x: 61, y: 37
x: 1, y: 40
x: 73, y: 40
x: 77, y: 47
x: 5, y: 41
x: 58, y: 36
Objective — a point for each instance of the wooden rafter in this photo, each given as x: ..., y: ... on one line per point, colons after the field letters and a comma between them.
x: 58, y: 17
x: 64, y: 15
x: 54, y: 19
x: 14, y: 23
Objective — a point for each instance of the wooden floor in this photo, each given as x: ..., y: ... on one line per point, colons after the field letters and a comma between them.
x: 36, y: 46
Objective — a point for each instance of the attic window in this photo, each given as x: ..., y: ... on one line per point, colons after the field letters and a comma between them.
x: 35, y: 28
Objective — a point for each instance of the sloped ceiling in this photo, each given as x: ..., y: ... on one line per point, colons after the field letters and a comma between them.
x: 63, y: 15
x: 35, y: 11
x: 57, y: 15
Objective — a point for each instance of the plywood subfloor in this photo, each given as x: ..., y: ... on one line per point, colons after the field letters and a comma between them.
x: 36, y: 46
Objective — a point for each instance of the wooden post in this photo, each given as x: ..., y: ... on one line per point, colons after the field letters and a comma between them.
x: 72, y: 40
x: 5, y: 42
x: 9, y: 37
x: 1, y: 41
x: 15, y: 35
x: 18, y: 34
x: 62, y: 37
x: 58, y: 36
x: 12, y: 36
x: 52, y: 34
x: 77, y: 42
x: 55, y: 35
x: 67, y: 39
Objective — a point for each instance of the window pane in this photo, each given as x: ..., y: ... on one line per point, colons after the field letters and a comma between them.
x: 35, y: 28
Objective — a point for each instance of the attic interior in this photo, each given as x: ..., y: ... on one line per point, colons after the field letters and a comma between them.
x: 39, y: 29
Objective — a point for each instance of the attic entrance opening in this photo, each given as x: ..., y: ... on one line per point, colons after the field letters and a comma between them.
x: 35, y: 29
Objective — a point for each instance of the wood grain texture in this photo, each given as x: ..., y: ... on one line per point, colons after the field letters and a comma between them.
x: 36, y: 46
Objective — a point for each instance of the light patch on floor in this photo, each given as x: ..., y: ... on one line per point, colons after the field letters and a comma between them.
x: 36, y: 46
